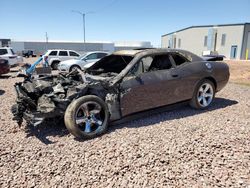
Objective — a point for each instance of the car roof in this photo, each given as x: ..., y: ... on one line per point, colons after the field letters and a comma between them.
x: 87, y: 53
x: 187, y: 54
x: 127, y: 52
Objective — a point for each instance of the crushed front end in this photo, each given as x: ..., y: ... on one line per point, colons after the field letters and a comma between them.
x: 46, y: 97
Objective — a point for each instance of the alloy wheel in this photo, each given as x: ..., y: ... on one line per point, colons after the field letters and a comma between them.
x: 205, y: 94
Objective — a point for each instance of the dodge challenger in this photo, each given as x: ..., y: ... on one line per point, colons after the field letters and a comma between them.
x: 120, y: 84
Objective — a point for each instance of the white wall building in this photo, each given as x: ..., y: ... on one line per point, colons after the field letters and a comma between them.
x: 41, y: 46
x: 231, y: 40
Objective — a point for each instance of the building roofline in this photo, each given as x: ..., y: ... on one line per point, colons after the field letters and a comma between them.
x: 199, y: 26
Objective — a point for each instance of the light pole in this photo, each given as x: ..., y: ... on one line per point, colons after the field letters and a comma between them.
x: 83, y: 23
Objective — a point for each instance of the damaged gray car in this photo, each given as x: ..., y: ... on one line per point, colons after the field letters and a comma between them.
x: 120, y: 84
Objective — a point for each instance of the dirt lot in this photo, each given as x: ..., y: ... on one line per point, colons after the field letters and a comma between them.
x: 179, y: 148
x: 240, y: 72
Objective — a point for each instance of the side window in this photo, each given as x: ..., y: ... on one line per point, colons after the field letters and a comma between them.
x: 53, y: 53
x: 92, y: 56
x: 146, y: 62
x: 71, y: 53
x: 3, y: 51
x: 63, y: 53
x: 101, y: 55
x: 158, y: 62
x: 178, y: 59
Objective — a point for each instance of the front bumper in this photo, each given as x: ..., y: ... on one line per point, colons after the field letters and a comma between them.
x: 26, y: 108
x: 63, y: 68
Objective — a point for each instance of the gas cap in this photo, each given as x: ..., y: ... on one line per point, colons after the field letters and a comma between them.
x: 209, y: 66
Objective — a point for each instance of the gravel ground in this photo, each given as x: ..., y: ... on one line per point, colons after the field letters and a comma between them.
x: 179, y: 148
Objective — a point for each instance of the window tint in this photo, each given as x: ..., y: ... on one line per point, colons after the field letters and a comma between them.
x: 205, y: 41
x: 178, y: 59
x: 73, y: 54
x: 3, y: 51
x: 92, y: 56
x: 53, y: 53
x: 63, y: 53
x: 101, y: 55
x: 223, y: 39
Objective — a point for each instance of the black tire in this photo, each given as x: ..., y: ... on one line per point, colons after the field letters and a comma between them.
x: 73, y: 67
x: 73, y: 110
x: 195, y: 103
x: 54, y: 65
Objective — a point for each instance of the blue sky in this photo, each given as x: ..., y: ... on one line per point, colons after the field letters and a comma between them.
x: 113, y: 20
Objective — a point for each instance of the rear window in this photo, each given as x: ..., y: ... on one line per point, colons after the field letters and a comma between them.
x: 3, y: 51
x: 63, y: 53
x: 53, y: 53
x: 73, y: 54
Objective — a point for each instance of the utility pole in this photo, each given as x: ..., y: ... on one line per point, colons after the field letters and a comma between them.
x: 83, y: 14
x: 46, y: 39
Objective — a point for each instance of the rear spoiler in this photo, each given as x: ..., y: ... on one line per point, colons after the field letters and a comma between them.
x: 213, y: 58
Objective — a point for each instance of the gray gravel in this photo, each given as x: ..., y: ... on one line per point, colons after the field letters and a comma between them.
x: 179, y: 148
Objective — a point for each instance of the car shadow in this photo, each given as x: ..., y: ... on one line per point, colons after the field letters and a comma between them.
x: 5, y: 76
x: 56, y: 128
x: 178, y: 111
x: 2, y: 92
x: 49, y: 128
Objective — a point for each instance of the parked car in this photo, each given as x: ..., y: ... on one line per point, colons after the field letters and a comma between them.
x: 8, y: 54
x: 28, y: 53
x: 54, y: 57
x: 120, y: 84
x: 4, y: 66
x: 86, y: 59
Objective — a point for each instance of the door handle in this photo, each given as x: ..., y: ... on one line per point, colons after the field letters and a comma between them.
x: 175, y: 75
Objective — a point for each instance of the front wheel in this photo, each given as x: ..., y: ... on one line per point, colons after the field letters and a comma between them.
x: 203, y: 95
x: 87, y: 117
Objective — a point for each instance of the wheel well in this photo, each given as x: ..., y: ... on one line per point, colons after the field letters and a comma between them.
x: 212, y: 80
x: 74, y: 66
x: 55, y: 61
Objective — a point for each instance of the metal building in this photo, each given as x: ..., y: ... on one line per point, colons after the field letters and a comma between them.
x: 41, y: 46
x: 231, y: 40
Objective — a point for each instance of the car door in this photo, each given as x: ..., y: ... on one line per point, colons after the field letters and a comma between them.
x: 188, y: 79
x: 151, y: 85
x: 91, y: 58
x: 63, y: 55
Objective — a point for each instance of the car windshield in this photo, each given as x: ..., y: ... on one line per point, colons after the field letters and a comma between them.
x: 81, y: 56
x: 110, y: 64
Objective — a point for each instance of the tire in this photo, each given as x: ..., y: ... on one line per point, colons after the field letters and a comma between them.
x: 74, y: 67
x: 82, y: 118
x: 203, y: 95
x: 54, y: 65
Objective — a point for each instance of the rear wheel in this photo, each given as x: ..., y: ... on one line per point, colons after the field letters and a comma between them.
x: 87, y: 117
x: 203, y: 95
x: 54, y: 65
